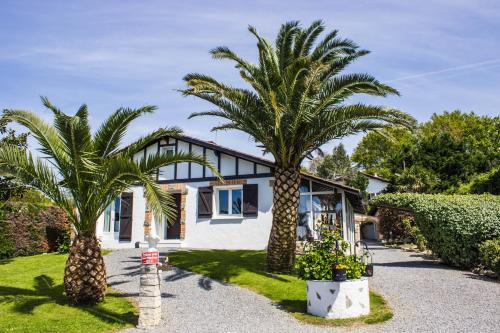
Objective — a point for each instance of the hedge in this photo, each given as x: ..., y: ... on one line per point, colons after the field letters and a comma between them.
x: 28, y: 229
x: 453, y: 225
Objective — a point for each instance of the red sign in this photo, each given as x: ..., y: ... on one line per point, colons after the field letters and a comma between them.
x: 150, y: 258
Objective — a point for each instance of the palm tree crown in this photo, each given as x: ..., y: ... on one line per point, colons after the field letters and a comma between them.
x: 86, y: 172
x: 298, y: 97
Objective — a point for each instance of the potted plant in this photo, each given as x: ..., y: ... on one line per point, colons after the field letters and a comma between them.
x: 335, y: 286
x: 339, y: 272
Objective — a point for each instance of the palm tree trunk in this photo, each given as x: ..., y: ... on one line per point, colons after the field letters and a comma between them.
x: 85, y: 273
x: 282, y: 241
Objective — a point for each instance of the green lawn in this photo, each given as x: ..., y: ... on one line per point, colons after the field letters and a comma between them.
x: 247, y: 269
x: 32, y: 300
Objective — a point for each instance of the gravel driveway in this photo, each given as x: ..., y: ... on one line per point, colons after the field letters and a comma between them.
x: 425, y: 296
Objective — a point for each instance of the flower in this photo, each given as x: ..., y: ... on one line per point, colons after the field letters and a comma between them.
x: 340, y: 266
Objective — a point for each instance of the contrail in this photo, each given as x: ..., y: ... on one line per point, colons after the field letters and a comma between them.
x: 451, y: 69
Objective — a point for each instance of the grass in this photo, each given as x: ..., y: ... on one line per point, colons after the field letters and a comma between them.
x: 32, y: 300
x: 247, y: 269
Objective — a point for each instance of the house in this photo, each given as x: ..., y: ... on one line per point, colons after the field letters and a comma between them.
x: 235, y: 213
x: 376, y: 185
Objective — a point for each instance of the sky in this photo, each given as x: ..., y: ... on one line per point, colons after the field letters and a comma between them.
x: 441, y: 55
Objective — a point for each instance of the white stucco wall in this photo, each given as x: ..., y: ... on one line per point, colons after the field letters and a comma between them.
x: 375, y: 185
x: 235, y: 233
x: 336, y: 300
x: 111, y: 240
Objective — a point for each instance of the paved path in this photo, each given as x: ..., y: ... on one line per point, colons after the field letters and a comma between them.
x: 425, y: 296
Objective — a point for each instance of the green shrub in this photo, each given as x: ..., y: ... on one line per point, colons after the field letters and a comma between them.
x: 489, y: 254
x: 414, y: 234
x: 65, y: 243
x: 453, y: 225
x: 319, y: 257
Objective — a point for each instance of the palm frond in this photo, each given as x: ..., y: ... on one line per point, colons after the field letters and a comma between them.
x: 140, y: 143
x: 35, y: 173
x: 108, y: 137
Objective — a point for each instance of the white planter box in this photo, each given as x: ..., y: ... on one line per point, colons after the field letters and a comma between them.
x: 335, y: 300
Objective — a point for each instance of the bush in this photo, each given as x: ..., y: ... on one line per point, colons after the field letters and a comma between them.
x: 488, y: 182
x: 391, y: 224
x: 28, y: 229
x: 489, y: 254
x: 319, y: 257
x: 453, y: 225
x: 399, y: 226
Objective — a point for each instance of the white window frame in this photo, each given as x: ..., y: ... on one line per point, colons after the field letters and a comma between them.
x: 230, y: 201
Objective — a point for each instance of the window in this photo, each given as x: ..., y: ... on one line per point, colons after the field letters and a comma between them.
x: 107, y: 219
x: 229, y: 201
x: 112, y: 216
x: 169, y: 150
x: 117, y: 215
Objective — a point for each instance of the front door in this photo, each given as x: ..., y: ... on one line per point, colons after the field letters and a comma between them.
x: 174, y: 229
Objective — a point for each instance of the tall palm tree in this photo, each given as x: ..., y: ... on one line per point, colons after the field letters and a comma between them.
x: 83, y: 173
x: 296, y: 101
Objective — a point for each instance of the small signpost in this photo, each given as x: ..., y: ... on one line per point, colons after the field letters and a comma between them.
x: 150, y: 258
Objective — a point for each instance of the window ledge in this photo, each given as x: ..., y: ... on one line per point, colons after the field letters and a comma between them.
x: 227, y: 217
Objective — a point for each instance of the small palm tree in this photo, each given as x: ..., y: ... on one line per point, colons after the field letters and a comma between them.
x: 296, y: 102
x: 84, y: 174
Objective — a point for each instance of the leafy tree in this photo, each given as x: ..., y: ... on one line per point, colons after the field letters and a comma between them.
x: 86, y: 173
x: 338, y: 165
x: 456, y: 146
x: 441, y: 155
x: 359, y: 181
x: 380, y: 152
x: 295, y: 101
x: 415, y: 179
x: 334, y: 165
x: 488, y: 182
x: 8, y: 186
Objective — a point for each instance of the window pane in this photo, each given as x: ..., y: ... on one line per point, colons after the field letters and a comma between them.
x: 107, y: 219
x: 117, y: 215
x: 305, y: 203
x: 168, y: 150
x: 304, y: 186
x: 236, y: 202
x: 223, y: 202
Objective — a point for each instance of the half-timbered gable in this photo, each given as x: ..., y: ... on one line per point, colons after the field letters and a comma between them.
x: 231, y: 164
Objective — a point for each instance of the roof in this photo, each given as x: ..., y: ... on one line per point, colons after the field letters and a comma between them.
x: 376, y: 177
x: 214, y: 146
